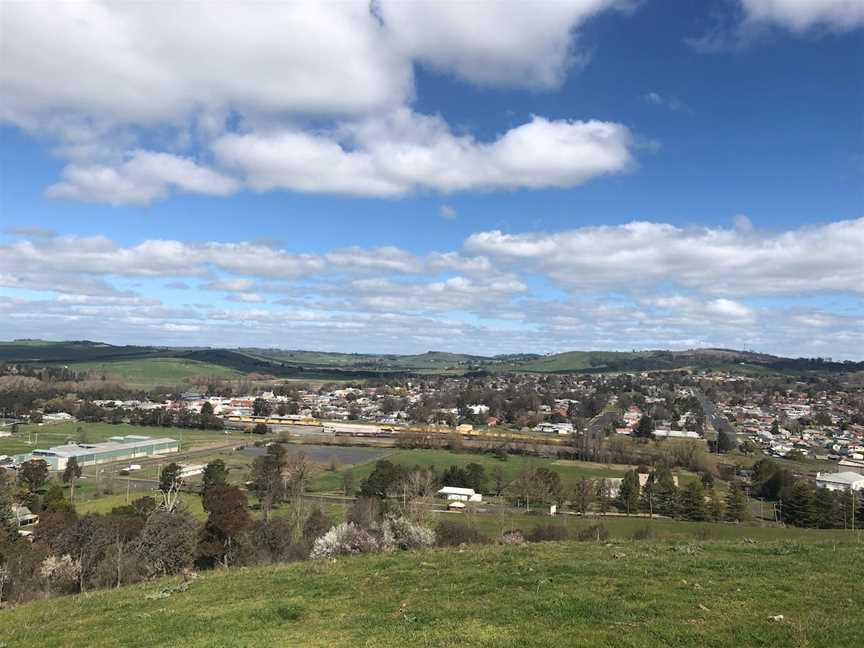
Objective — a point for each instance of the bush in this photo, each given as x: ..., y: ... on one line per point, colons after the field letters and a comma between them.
x: 551, y: 531
x: 451, y: 533
x: 402, y: 533
x: 61, y: 573
x: 343, y: 540
x: 513, y: 537
x: 593, y: 533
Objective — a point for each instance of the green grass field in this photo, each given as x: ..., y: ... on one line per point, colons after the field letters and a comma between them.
x: 625, y: 594
x: 52, y: 435
x: 151, y: 372
x: 442, y: 459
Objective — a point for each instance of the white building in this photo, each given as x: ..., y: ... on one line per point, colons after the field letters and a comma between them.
x: 842, y: 481
x: 454, y: 493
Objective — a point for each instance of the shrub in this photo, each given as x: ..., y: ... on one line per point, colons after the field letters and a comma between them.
x: 402, y: 533
x: 513, y: 537
x: 451, y: 533
x: 344, y: 539
x: 593, y: 533
x: 61, y: 573
x: 550, y: 531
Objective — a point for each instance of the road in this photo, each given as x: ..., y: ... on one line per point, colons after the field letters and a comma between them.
x: 719, y: 422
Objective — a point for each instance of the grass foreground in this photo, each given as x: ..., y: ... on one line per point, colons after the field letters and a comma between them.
x: 633, y: 594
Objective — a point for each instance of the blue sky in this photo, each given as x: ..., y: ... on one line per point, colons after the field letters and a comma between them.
x: 600, y: 174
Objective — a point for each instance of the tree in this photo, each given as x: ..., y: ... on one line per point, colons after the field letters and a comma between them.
x: 33, y: 474
x: 498, y: 479
x: 628, y: 492
x: 583, y: 494
x: 167, y: 543
x: 736, y: 503
x: 54, y: 500
x: 70, y: 475
x: 348, y: 483
x: 475, y: 477
x: 799, y: 505
x: 645, y: 427
x: 268, y: 483
x: 383, y: 480
x: 260, y: 428
x: 228, y: 519
x: 715, y: 509
x: 297, y: 468
x: 648, y: 496
x: 261, y: 407
x: 170, y: 482
x: 692, y: 501
x: 665, y: 492
x: 215, y: 474
x: 6, y: 501
x: 316, y: 525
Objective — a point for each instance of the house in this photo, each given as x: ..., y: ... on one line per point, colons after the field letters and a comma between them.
x: 23, y: 516
x: 841, y: 481
x: 555, y: 428
x: 453, y: 493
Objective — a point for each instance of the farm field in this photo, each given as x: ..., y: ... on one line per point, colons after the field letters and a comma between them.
x: 147, y: 373
x: 630, y: 594
x: 58, y: 434
x: 570, y: 471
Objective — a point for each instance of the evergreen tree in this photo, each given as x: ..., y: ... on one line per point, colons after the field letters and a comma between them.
x: 628, y: 492
x: 736, y: 503
x: 648, y: 496
x: 716, y: 511
x: 828, y: 509
x: 215, y: 474
x: 645, y: 427
x: 692, y: 501
x: 799, y: 505
x: 665, y: 492
x: 71, y: 475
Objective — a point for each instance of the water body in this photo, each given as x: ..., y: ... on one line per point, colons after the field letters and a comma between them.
x: 324, y: 454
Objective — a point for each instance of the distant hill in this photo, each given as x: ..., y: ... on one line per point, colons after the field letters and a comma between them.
x: 322, y: 365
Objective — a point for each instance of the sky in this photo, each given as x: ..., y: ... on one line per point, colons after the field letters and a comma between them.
x: 395, y: 177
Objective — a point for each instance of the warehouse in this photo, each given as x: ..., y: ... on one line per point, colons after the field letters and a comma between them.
x: 119, y: 448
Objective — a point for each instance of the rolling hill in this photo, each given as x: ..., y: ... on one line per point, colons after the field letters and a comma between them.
x: 624, y: 594
x: 181, y: 363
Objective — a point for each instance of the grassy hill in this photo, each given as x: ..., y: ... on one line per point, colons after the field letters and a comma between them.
x: 143, y: 362
x: 148, y: 372
x: 625, y: 594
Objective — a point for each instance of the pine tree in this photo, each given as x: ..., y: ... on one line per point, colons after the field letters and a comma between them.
x: 736, y: 503
x: 628, y: 493
x: 799, y: 506
x: 692, y: 501
x: 715, y: 506
x: 665, y: 492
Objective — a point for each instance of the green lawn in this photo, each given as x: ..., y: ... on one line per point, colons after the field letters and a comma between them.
x: 52, y: 435
x: 151, y: 372
x: 627, y: 594
x: 570, y: 471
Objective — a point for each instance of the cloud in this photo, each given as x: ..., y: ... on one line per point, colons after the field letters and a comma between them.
x: 656, y: 99
x: 144, y: 177
x: 230, y: 105
x: 802, y: 15
x: 30, y: 232
x: 637, y: 285
x: 448, y: 212
x: 492, y: 43
x: 406, y: 152
x: 742, y: 223
x: 806, y: 260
